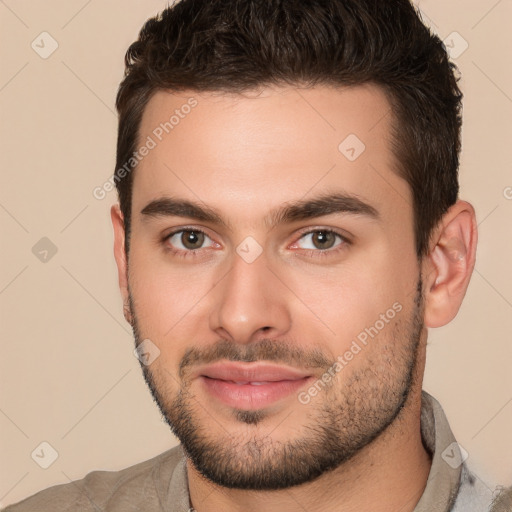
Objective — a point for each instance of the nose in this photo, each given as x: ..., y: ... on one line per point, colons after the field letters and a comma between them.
x: 250, y: 303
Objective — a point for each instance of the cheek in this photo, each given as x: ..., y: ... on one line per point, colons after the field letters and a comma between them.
x: 344, y: 302
x: 166, y: 296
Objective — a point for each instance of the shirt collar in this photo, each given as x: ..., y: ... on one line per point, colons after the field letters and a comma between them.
x: 445, y: 472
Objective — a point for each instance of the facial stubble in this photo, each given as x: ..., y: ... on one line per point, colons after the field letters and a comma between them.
x: 341, y: 421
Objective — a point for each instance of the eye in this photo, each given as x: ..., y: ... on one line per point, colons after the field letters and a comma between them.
x: 320, y: 239
x: 188, y: 239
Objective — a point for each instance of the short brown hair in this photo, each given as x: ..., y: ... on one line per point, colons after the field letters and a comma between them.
x: 238, y: 45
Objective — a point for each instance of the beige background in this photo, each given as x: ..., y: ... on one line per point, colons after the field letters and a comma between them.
x: 68, y: 376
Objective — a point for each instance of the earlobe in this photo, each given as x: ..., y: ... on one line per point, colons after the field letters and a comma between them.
x: 120, y: 257
x: 450, y: 263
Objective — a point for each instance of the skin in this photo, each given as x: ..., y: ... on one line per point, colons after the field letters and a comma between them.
x: 245, y: 156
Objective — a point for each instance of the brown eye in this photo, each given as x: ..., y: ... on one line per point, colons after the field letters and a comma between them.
x: 189, y: 240
x: 323, y: 239
x: 192, y: 239
x: 320, y: 239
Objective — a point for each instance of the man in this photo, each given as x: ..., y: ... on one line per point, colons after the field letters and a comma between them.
x: 288, y: 229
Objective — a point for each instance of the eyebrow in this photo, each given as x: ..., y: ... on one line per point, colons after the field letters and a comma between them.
x: 327, y: 204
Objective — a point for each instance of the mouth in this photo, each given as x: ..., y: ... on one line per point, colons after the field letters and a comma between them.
x: 251, y: 386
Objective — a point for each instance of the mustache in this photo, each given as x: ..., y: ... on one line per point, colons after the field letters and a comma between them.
x: 262, y: 350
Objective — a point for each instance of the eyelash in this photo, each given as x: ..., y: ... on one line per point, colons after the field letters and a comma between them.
x: 193, y: 253
x: 318, y: 253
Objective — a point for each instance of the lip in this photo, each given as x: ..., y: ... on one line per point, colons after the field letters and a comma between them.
x: 250, y: 386
x: 250, y: 372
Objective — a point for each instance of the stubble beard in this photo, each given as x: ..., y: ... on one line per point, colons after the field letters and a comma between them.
x: 342, y: 420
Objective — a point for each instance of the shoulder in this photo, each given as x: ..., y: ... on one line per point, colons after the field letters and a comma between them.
x: 101, y: 488
x: 476, y: 496
x: 502, y: 501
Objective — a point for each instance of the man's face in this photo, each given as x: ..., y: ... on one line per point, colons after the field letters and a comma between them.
x: 287, y: 334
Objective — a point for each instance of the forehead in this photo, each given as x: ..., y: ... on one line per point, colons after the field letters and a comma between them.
x: 256, y: 150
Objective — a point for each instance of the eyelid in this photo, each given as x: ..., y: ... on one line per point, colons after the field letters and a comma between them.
x: 185, y: 252
x: 179, y: 229
x: 309, y: 230
x: 321, y: 254
x: 345, y: 240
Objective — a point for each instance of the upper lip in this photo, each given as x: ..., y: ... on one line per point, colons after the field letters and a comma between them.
x: 250, y: 372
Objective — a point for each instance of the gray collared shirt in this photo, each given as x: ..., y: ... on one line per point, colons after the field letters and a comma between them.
x: 160, y: 484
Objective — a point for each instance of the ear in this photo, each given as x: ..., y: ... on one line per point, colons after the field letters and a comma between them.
x: 449, y: 264
x: 120, y: 257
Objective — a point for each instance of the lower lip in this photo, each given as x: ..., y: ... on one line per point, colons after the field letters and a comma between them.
x: 251, y: 396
